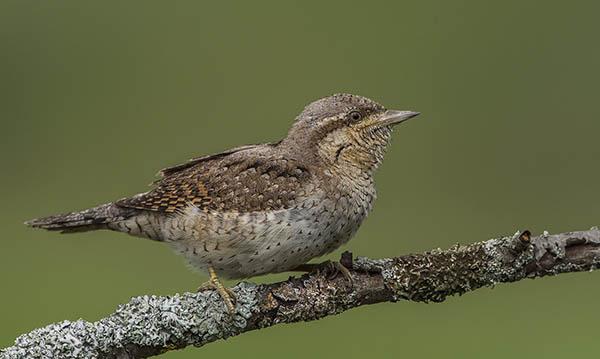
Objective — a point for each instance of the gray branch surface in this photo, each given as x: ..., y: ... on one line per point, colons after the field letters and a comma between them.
x: 151, y: 325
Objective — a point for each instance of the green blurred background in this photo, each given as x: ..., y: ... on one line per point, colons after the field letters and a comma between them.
x: 95, y: 97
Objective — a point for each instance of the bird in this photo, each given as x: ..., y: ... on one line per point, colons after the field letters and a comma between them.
x: 264, y: 208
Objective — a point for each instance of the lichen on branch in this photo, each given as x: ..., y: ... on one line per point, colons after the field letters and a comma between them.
x: 150, y: 325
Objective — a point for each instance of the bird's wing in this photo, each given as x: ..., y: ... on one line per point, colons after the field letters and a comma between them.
x: 194, y: 161
x: 245, y: 179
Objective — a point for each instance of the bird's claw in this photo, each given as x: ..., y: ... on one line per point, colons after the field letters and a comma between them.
x: 329, y: 269
x: 333, y: 269
x: 226, y: 294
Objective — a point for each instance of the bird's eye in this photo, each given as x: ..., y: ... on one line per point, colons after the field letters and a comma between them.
x: 355, y: 115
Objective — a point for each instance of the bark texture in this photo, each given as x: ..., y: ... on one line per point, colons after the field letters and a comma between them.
x: 150, y: 325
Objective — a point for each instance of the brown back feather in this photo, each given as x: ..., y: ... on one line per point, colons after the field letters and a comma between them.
x: 244, y: 179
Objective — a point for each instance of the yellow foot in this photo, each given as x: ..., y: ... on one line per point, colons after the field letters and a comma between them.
x: 329, y: 268
x: 215, y: 284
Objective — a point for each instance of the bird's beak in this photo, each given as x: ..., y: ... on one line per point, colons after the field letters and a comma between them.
x: 394, y: 117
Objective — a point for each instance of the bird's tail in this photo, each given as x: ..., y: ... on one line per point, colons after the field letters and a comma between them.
x: 87, y: 220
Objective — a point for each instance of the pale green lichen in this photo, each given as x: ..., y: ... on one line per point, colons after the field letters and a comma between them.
x: 146, y: 321
x: 507, y: 259
x: 150, y: 324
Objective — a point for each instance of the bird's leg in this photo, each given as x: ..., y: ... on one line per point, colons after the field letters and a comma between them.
x: 215, y: 284
x: 329, y: 268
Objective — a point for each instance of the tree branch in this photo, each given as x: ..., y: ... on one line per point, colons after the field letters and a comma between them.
x: 150, y: 325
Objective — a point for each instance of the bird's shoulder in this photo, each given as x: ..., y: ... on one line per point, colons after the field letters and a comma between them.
x: 244, y: 179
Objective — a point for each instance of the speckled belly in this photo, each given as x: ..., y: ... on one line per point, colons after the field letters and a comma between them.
x: 249, y: 244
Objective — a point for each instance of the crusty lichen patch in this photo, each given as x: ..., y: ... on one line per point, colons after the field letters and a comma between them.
x: 147, y: 321
x: 149, y: 325
x: 508, y: 258
x: 432, y: 276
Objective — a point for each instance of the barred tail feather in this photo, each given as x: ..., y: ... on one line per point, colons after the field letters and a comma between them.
x: 87, y: 220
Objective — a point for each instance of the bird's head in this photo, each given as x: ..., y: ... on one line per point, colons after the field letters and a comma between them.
x: 346, y: 131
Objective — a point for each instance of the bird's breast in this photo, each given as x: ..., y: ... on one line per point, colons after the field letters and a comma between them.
x: 242, y: 245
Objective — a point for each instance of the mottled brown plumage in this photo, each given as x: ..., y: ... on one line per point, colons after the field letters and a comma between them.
x: 261, y: 208
x: 237, y: 180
